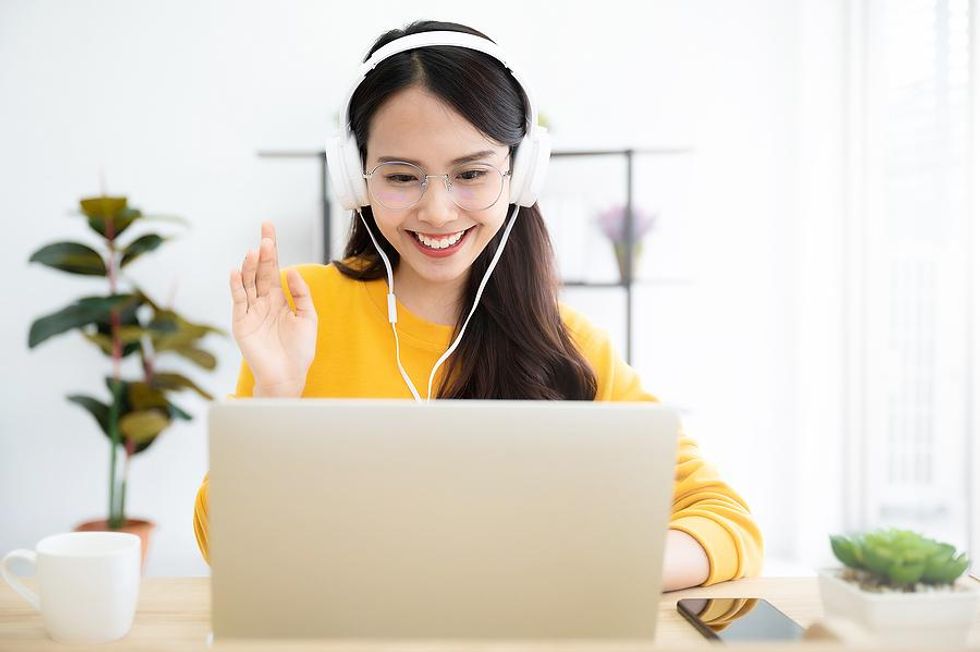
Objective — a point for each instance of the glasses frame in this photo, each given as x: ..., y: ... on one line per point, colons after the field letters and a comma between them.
x: 445, y: 178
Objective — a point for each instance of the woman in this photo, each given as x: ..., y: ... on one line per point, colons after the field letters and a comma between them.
x: 455, y: 116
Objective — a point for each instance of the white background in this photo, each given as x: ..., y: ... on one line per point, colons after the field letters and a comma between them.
x: 173, y: 99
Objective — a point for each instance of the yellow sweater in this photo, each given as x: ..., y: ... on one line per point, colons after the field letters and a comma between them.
x: 355, y: 353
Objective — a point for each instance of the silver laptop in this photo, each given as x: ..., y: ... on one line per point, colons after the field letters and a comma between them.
x: 385, y: 519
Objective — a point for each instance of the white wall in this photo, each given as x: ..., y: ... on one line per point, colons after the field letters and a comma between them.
x: 174, y: 98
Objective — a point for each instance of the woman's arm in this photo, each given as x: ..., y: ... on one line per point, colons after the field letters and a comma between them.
x: 685, y: 562
x: 709, y: 511
x: 718, y: 527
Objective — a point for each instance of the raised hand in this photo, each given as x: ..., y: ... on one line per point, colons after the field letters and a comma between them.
x: 277, y: 343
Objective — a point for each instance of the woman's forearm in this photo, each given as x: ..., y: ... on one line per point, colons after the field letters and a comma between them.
x: 685, y: 561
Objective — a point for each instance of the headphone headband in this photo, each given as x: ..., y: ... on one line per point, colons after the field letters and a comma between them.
x: 427, y: 39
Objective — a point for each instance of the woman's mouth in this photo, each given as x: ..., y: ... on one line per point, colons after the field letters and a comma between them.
x: 440, y: 245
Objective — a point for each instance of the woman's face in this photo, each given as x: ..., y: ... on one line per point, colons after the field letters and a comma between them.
x: 415, y: 126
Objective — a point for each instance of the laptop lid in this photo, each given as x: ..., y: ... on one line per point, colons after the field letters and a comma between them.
x: 457, y: 519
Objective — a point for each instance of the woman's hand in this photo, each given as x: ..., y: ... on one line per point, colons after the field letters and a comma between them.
x: 277, y: 343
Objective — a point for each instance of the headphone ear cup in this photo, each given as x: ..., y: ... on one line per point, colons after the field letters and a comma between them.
x: 336, y: 171
x: 530, y: 167
x: 354, y: 168
x: 344, y: 168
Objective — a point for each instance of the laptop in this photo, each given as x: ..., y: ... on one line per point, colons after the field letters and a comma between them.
x: 387, y: 519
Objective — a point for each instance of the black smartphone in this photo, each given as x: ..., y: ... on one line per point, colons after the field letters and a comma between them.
x: 739, y: 619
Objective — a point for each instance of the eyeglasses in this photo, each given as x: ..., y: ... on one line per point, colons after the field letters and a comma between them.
x: 472, y: 187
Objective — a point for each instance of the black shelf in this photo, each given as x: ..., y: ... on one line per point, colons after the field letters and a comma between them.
x: 628, y: 281
x: 628, y: 153
x: 620, y: 284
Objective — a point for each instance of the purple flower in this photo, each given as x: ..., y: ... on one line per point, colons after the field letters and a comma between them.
x: 612, y: 221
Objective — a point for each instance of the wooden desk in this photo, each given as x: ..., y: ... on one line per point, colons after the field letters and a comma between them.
x: 173, y: 614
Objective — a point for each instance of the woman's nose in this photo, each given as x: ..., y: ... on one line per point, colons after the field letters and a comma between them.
x: 436, y: 206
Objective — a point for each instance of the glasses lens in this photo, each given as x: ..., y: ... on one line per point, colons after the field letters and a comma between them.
x: 476, y: 186
x: 473, y: 187
x: 396, y: 185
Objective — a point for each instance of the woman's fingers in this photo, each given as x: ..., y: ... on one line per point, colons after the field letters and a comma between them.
x: 239, y: 299
x: 269, y: 231
x: 249, y: 268
x: 301, y: 294
x: 268, y: 275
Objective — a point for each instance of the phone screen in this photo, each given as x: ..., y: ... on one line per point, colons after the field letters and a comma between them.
x: 739, y: 619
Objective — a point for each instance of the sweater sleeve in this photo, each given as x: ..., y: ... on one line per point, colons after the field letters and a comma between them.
x: 201, y: 519
x: 243, y: 390
x: 704, y: 506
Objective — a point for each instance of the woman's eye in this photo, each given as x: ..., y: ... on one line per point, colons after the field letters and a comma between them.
x: 471, y: 175
x: 400, y: 178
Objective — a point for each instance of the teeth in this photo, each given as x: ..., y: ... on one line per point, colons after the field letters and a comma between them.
x: 443, y: 243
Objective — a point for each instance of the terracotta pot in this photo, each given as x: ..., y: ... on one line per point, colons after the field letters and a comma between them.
x: 137, y: 526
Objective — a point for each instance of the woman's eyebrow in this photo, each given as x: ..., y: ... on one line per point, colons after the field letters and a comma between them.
x: 462, y: 159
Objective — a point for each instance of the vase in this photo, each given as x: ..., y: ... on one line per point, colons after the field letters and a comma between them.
x: 140, y: 527
x: 620, y: 250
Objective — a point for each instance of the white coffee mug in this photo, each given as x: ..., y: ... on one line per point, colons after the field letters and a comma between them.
x: 88, y: 584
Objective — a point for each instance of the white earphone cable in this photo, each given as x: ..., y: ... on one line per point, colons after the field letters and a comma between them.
x: 476, y: 302
x: 393, y: 312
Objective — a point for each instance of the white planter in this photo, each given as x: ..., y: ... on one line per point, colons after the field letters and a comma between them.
x: 935, y: 618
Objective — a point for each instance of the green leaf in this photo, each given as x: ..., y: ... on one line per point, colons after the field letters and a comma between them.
x: 200, y: 357
x: 878, y: 559
x: 103, y: 206
x: 905, y: 573
x: 83, y: 312
x: 123, y: 392
x: 947, y: 570
x: 160, y: 326
x: 844, y: 551
x: 99, y: 410
x: 130, y: 334
x: 104, y: 342
x: 177, y: 413
x: 146, y: 299
x: 130, y: 329
x: 143, y: 396
x: 128, y: 337
x: 140, y: 246
x: 71, y: 257
x: 174, y: 333
x: 177, y: 382
x: 109, y: 215
x: 144, y: 425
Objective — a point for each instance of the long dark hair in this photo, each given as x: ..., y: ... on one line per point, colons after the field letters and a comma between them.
x: 516, y: 345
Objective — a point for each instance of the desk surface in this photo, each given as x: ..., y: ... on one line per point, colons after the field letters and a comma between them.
x: 173, y: 614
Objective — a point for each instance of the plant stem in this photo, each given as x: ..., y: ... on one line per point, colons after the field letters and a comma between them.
x: 116, y: 515
x: 125, y: 482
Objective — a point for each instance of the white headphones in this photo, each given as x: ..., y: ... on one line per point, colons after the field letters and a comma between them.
x: 344, y: 164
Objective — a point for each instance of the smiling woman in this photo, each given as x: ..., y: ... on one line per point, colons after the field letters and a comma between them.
x: 447, y: 109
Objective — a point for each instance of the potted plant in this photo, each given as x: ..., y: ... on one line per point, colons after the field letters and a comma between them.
x: 123, y: 324
x: 612, y: 222
x: 900, y: 587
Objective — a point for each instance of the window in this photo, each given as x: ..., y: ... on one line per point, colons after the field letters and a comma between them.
x: 908, y: 275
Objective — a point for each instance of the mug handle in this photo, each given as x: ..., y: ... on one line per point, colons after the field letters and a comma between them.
x: 31, y: 558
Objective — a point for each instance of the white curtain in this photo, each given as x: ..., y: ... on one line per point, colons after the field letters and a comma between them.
x: 910, y: 359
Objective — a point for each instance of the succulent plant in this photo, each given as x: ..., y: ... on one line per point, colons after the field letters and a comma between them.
x: 899, y: 558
